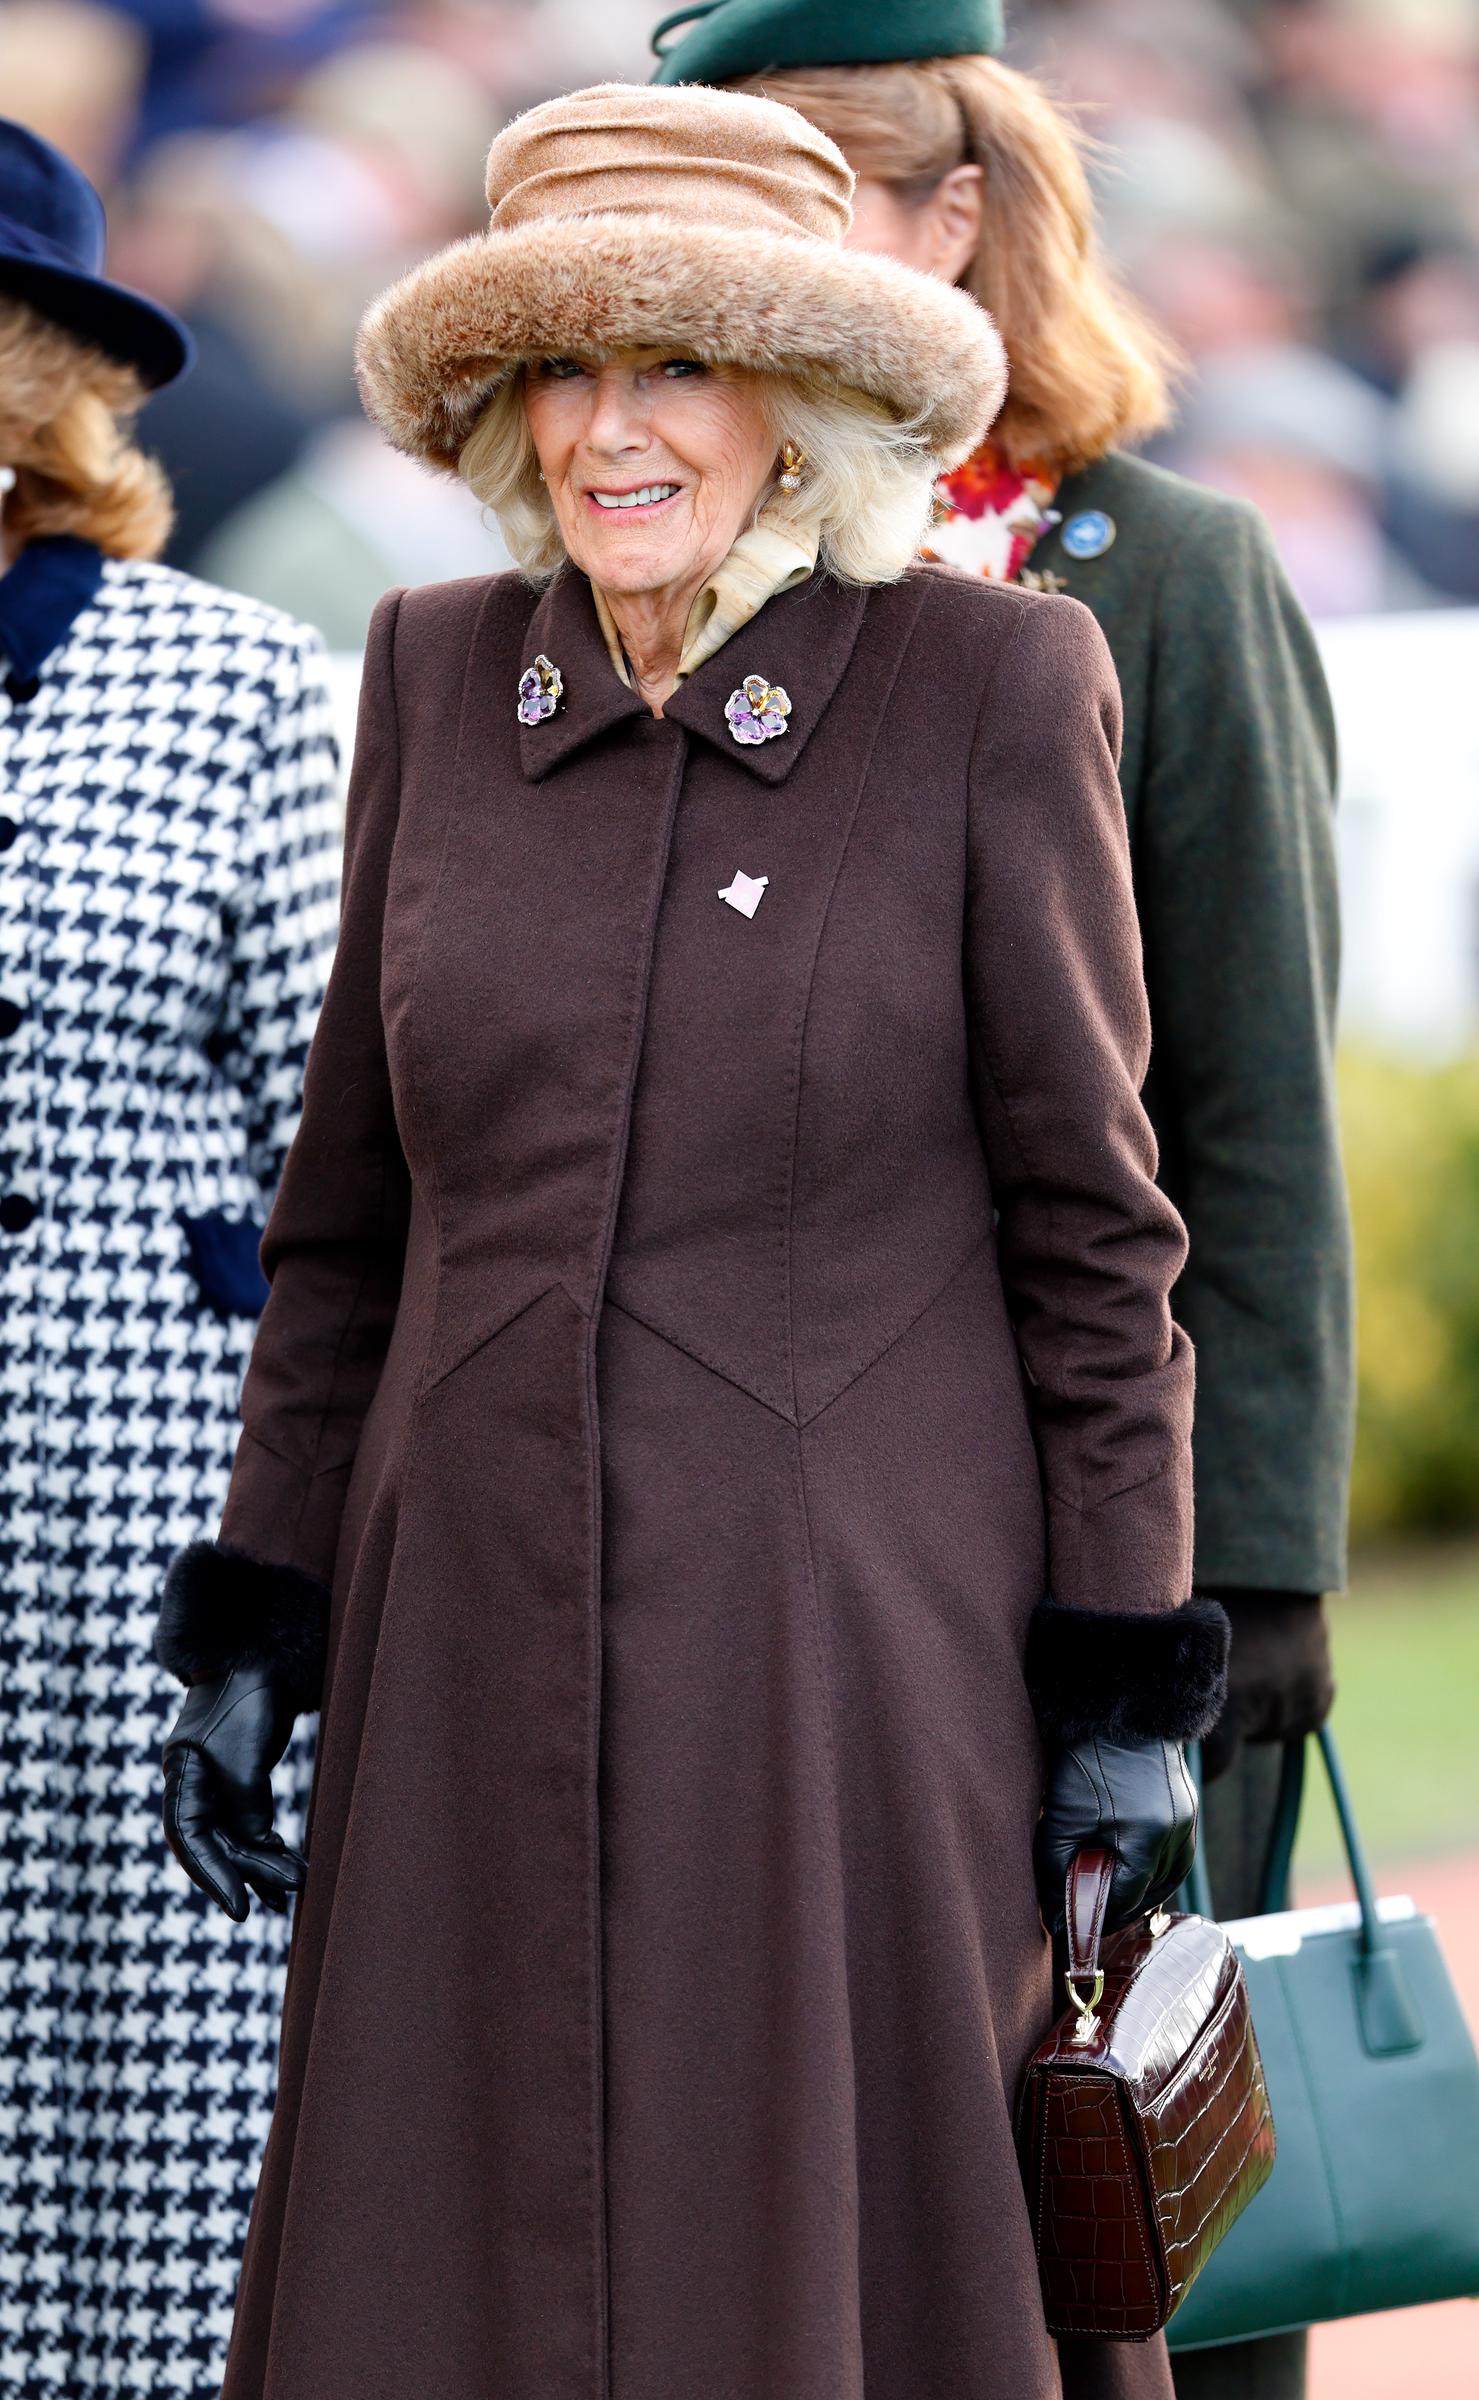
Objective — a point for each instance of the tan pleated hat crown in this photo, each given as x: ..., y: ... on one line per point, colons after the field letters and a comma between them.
x: 637, y: 216
x: 719, y: 158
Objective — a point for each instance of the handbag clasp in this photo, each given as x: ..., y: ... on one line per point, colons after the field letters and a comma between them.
x: 1088, y: 2024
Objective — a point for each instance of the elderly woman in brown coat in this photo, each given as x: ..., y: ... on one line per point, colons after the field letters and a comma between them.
x: 717, y: 1445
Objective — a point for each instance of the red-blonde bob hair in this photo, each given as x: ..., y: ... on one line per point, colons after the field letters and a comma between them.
x: 65, y: 414
x: 1089, y: 370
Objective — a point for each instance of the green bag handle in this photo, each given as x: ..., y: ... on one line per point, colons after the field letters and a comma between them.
x: 1388, y: 2013
x: 1279, y: 1862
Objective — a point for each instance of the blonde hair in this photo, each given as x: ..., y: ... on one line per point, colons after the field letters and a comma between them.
x: 865, y: 492
x: 65, y: 412
x: 1089, y: 369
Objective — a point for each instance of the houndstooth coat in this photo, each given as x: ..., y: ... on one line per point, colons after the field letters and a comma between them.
x: 168, y: 876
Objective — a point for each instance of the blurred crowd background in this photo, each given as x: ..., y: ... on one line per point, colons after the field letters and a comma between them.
x: 1293, y: 185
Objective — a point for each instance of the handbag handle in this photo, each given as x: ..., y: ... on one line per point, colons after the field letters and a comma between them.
x: 1085, y: 1903
x: 1273, y: 1895
x: 1354, y: 1848
x: 1279, y: 1858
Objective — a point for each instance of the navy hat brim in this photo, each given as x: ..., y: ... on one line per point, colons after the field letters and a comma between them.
x: 126, y: 327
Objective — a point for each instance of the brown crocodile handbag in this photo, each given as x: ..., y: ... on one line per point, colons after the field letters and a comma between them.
x: 1144, y: 2123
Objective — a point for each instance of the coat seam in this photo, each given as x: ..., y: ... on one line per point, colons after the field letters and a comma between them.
x: 689, y: 1349
x: 634, y: 1022
x: 414, y: 1102
x: 1121, y: 1491
x: 495, y: 1333
x: 827, y: 1688
x: 902, y: 1332
x: 982, y: 1043
x: 315, y: 1467
x: 312, y: 1467
x: 798, y: 1071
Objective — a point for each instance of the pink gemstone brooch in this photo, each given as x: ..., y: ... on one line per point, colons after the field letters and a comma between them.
x: 757, y: 712
x: 540, y: 687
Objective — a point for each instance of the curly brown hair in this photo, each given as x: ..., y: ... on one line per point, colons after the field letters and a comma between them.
x: 1089, y: 369
x: 66, y: 417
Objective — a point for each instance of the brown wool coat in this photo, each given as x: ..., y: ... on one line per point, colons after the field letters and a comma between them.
x: 640, y: 1365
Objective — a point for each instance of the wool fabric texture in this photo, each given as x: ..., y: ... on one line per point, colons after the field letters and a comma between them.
x: 627, y: 217
x: 1229, y: 776
x: 643, y: 1369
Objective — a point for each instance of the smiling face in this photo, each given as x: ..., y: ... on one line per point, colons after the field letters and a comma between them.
x: 653, y: 464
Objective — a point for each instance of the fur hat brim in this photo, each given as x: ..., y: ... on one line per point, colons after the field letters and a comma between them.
x: 435, y: 346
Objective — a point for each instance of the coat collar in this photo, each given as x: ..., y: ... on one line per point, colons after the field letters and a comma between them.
x: 41, y: 597
x: 566, y: 630
x: 801, y: 640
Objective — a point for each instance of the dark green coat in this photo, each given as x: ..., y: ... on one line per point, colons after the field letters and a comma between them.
x: 1228, y: 774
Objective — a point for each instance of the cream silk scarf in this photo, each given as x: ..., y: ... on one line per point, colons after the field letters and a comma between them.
x: 771, y: 557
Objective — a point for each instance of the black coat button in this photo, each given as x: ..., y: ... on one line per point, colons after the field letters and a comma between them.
x: 10, y: 1017
x: 8, y: 831
x: 16, y: 1212
x: 21, y: 688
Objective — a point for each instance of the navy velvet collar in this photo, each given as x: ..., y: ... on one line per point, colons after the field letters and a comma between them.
x: 43, y: 595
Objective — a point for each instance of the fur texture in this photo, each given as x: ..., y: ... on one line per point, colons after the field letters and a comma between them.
x: 1130, y: 1678
x: 433, y: 347
x: 222, y: 1608
x: 625, y: 216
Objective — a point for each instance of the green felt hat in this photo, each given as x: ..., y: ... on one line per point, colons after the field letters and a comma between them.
x: 730, y: 38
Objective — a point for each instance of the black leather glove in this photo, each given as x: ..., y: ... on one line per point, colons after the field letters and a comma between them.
x: 1279, y: 1680
x: 218, y: 1760
x: 1134, y: 1798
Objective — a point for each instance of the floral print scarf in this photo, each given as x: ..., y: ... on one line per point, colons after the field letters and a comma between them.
x: 990, y: 515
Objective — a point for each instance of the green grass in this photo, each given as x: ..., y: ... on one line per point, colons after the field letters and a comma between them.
x: 1406, y: 1641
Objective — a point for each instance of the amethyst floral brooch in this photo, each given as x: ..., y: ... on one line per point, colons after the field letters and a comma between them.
x: 540, y: 688
x: 757, y: 712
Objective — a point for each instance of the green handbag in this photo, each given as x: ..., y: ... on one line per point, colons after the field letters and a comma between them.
x: 1374, y: 2083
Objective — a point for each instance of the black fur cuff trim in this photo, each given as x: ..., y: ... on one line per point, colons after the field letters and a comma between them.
x: 1132, y: 1678
x: 222, y: 1609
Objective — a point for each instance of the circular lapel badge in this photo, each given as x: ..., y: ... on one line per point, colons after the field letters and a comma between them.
x: 1089, y: 534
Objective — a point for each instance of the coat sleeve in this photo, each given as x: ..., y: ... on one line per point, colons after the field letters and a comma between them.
x: 280, y: 921
x: 333, y: 1253
x: 1237, y: 890
x: 1089, y: 1248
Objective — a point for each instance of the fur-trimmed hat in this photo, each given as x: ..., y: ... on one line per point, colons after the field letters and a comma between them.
x: 628, y: 217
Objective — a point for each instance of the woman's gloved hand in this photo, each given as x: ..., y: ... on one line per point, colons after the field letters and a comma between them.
x: 1134, y: 1798
x: 248, y: 1637
x: 218, y: 1760
x: 1279, y: 1679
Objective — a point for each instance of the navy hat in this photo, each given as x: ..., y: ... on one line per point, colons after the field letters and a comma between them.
x: 731, y: 38
x: 53, y: 236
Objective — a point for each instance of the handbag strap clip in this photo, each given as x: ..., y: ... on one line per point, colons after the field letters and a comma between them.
x: 1086, y: 1899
